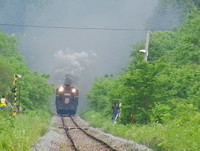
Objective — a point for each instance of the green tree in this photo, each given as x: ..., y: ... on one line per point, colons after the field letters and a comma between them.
x: 150, y: 91
x: 143, y: 86
x: 33, y: 89
x: 98, y: 95
x: 170, y: 13
x: 187, y: 47
x: 6, y: 76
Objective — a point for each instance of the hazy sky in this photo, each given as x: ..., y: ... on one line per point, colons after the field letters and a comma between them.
x: 61, y: 50
x: 84, y: 53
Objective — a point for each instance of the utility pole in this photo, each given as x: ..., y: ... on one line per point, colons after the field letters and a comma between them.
x: 145, y: 51
x: 147, y: 45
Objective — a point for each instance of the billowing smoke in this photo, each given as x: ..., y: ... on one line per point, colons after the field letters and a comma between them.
x: 70, y: 62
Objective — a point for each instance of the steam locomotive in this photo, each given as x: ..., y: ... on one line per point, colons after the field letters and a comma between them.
x: 66, y: 99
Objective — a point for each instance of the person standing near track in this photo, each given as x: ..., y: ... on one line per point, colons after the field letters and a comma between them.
x: 115, y: 109
x: 3, y: 102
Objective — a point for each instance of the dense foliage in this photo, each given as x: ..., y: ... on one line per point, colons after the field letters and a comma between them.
x: 170, y: 13
x: 19, y: 132
x: 163, y: 92
x: 35, y: 91
x: 170, y: 77
x: 176, y: 135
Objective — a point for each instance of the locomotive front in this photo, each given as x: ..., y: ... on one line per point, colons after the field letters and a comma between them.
x: 66, y: 100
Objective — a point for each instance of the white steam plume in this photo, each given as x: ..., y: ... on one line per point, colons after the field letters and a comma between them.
x: 70, y: 62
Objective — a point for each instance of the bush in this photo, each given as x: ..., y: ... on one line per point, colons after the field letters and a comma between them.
x: 19, y: 132
x: 180, y: 133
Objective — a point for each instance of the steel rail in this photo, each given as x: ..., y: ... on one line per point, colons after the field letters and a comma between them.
x: 93, y: 137
x: 69, y: 136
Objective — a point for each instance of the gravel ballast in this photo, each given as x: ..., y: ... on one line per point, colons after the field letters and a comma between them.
x: 56, y: 140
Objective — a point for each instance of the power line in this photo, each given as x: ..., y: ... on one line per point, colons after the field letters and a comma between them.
x: 80, y: 28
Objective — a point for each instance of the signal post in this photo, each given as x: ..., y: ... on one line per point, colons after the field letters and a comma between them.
x: 14, y: 91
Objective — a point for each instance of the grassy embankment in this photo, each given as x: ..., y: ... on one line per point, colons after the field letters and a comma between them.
x: 18, y: 133
x: 176, y: 135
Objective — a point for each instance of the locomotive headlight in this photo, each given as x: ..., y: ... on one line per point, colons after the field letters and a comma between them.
x: 61, y: 89
x: 73, y: 90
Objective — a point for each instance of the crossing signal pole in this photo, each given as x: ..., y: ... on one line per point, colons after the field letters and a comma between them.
x: 14, y: 90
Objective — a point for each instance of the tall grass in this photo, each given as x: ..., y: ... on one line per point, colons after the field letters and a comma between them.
x: 17, y: 133
x: 179, y: 134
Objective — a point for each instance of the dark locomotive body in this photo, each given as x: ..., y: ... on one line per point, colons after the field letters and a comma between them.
x: 66, y: 100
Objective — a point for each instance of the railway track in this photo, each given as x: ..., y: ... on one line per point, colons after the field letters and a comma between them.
x: 80, y: 139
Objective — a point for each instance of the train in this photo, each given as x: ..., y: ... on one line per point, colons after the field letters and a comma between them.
x: 66, y: 99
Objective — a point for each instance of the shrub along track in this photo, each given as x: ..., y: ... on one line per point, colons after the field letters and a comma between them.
x: 80, y: 139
